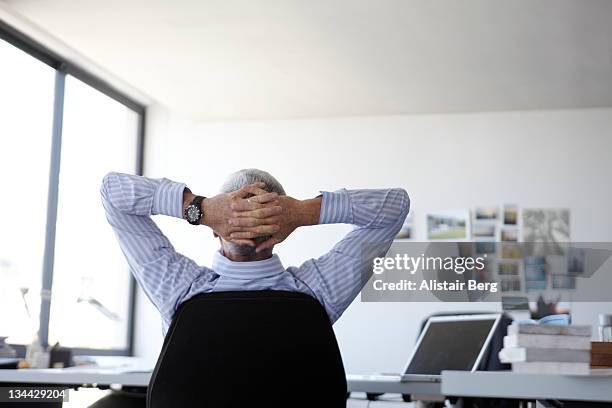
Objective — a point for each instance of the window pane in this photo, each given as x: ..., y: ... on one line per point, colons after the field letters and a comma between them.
x: 26, y: 115
x: 90, y: 276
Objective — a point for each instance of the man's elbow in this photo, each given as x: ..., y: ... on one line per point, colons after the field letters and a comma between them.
x: 404, y: 202
x: 106, y: 186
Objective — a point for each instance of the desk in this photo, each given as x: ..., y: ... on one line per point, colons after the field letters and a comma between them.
x: 505, y: 384
x: 357, y: 383
x: 454, y: 383
x: 128, y: 371
x: 77, y: 376
x: 102, y: 377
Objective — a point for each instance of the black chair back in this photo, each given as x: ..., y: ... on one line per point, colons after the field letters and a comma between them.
x: 249, y: 349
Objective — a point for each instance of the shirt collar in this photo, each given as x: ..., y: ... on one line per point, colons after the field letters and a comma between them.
x: 247, y: 270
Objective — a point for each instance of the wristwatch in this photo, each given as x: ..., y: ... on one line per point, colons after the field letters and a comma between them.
x: 193, y: 212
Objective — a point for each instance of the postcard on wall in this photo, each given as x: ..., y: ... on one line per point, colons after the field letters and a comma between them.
x: 511, y: 250
x: 556, y: 264
x: 563, y: 282
x: 508, y: 269
x: 485, y: 247
x: 407, y: 230
x: 448, y: 225
x: 575, y: 261
x: 545, y: 230
x: 510, y: 284
x: 486, y: 213
x: 509, y: 234
x: 482, y: 230
x: 510, y: 214
x: 535, y: 273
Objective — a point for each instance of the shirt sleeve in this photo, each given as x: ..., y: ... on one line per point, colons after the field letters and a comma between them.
x: 337, y: 277
x: 163, y: 274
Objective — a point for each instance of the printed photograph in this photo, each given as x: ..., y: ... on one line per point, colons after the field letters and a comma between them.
x: 486, y: 213
x: 483, y: 274
x: 510, y: 214
x: 485, y: 247
x: 563, y: 282
x: 556, y: 264
x: 510, y: 284
x: 535, y: 273
x: 515, y: 303
x: 546, y: 230
x: 448, y: 225
x: 511, y: 251
x: 575, y: 261
x: 509, y: 234
x: 480, y: 230
x: 508, y: 269
x: 406, y: 232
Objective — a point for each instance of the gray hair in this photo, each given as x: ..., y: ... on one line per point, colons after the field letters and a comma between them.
x: 239, y: 179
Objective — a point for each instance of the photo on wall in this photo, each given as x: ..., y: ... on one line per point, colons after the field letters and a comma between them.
x: 510, y: 283
x: 509, y: 234
x: 486, y: 213
x: 511, y: 250
x: 407, y: 230
x: 546, y: 230
x: 510, y: 214
x: 485, y: 247
x: 448, y: 225
x: 575, y: 261
x: 535, y: 273
x: 563, y: 282
x: 508, y: 269
x: 556, y: 264
x: 481, y: 230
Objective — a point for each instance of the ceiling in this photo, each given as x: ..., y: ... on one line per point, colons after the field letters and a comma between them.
x: 247, y: 59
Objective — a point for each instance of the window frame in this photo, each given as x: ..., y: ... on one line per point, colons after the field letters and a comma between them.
x: 63, y: 67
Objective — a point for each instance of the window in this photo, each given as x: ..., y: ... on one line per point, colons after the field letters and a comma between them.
x: 26, y: 92
x: 90, y: 283
x: 61, y: 131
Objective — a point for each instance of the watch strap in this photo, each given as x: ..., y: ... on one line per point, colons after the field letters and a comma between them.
x: 197, y: 202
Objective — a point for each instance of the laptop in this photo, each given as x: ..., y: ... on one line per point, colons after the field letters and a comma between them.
x: 446, y: 343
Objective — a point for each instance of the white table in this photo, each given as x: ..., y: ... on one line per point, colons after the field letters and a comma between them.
x: 76, y: 377
x: 505, y: 384
x: 454, y: 383
x: 360, y: 383
x: 128, y: 371
x: 128, y: 375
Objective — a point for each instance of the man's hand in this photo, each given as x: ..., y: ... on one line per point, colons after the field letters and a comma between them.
x: 295, y: 213
x: 218, y: 212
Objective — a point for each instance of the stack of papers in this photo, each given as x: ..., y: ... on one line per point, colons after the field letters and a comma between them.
x: 542, y: 349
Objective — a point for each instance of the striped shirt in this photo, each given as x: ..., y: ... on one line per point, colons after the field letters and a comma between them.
x: 169, y: 278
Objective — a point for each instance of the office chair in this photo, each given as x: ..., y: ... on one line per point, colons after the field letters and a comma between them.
x: 242, y: 349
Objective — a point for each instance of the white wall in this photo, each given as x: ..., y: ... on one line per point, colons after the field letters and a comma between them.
x: 540, y: 159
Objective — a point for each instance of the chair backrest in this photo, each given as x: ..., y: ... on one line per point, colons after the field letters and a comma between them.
x: 252, y: 348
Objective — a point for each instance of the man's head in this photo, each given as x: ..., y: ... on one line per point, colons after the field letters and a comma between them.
x: 234, y: 182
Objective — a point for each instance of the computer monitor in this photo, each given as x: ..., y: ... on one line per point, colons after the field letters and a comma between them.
x: 452, y: 343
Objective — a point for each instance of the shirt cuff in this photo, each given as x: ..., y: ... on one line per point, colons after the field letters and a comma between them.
x: 168, y: 199
x: 336, y: 208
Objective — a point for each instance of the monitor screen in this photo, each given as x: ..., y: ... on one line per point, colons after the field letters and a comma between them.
x: 450, y: 345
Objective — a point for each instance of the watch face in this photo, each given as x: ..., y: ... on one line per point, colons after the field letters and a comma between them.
x: 193, y: 213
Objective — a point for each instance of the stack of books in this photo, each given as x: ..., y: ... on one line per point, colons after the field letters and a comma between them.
x: 548, y: 348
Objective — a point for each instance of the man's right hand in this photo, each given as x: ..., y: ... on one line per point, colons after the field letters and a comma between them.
x: 218, y: 212
x: 295, y: 213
